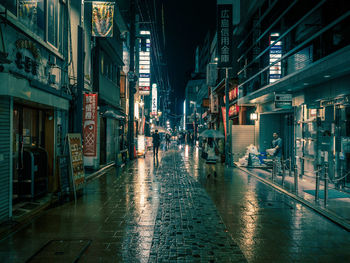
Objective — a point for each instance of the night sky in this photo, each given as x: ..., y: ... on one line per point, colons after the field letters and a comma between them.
x: 186, y: 24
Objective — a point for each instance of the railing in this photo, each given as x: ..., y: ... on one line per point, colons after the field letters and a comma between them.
x: 294, y: 59
x: 322, y: 174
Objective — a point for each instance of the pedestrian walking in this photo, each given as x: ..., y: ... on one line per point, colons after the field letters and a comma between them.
x: 211, y: 150
x: 277, y: 146
x: 156, y: 143
x: 167, y: 140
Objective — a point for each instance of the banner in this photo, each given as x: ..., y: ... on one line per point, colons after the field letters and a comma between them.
x: 223, y: 110
x: 214, y: 103
x: 224, y: 31
x: 28, y: 13
x: 102, y: 19
x: 90, y: 116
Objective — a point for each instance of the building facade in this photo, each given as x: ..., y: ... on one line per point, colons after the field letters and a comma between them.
x: 46, y: 51
x: 34, y: 98
x: 293, y: 70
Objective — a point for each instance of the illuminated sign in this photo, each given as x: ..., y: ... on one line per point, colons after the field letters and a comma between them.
x: 275, y: 54
x: 233, y: 110
x: 145, y: 62
x: 154, y: 100
x: 232, y: 95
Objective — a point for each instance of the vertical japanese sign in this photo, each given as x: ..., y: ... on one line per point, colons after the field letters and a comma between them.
x: 214, y: 103
x: 224, y: 33
x: 102, y: 19
x: 76, y: 160
x: 90, y: 124
x: 154, y: 100
x: 145, y: 63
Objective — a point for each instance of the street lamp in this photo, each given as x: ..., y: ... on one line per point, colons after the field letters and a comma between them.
x: 195, y: 120
x: 254, y: 117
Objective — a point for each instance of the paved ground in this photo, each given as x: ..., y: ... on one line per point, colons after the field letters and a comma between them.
x: 169, y: 211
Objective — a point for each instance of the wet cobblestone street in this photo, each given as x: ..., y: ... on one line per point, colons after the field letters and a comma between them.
x: 169, y: 211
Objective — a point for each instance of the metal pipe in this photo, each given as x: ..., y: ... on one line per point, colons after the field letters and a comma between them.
x: 273, y: 169
x: 227, y: 105
x: 325, y: 184
x: 269, y: 30
x: 317, y: 183
x: 258, y: 23
x: 290, y: 166
x: 283, y: 35
x: 296, y: 186
x: 284, y: 171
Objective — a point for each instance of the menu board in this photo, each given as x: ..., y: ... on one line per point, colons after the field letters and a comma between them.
x: 63, y: 169
x: 76, y: 160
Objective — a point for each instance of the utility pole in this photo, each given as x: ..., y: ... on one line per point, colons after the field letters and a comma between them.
x: 227, y: 107
x: 132, y: 80
x: 78, y: 116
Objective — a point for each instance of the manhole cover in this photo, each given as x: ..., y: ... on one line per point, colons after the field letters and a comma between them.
x: 60, y: 251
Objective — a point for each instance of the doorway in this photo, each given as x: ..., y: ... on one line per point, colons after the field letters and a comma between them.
x: 30, y: 158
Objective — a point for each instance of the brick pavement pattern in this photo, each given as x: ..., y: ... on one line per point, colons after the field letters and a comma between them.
x: 188, y: 227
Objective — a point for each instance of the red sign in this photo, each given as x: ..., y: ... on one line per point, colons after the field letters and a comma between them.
x: 233, y: 94
x: 223, y: 110
x: 233, y: 110
x: 90, y: 124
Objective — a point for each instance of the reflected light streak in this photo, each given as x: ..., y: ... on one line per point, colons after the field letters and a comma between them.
x: 187, y: 149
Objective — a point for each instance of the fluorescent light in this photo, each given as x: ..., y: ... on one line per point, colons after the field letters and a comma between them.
x: 254, y: 116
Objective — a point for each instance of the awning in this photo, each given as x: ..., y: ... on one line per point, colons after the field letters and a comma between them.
x: 109, y: 112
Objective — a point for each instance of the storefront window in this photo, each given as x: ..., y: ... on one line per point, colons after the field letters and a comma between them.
x: 52, y: 22
x: 11, y: 5
x: 32, y: 15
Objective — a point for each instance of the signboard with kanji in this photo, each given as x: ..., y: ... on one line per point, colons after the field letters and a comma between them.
x: 76, y: 160
x: 90, y: 124
x: 224, y: 33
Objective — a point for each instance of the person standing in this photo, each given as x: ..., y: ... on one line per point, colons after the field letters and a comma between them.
x: 167, y: 140
x: 156, y: 143
x: 277, y: 145
x: 211, y: 149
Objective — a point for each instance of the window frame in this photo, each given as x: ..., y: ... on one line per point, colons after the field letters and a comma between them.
x: 14, y: 17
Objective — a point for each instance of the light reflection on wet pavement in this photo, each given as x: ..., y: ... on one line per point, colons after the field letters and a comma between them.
x: 168, y: 211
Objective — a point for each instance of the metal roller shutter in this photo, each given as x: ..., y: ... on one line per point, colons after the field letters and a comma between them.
x: 4, y: 158
x: 242, y: 136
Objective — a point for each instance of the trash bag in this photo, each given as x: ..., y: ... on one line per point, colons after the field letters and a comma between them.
x: 271, y: 151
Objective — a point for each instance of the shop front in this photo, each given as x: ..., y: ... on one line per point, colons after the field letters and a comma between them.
x: 323, y: 138
x: 34, y: 123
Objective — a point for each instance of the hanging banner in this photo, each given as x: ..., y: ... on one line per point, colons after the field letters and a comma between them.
x: 76, y: 160
x: 90, y: 116
x: 224, y: 31
x: 223, y: 110
x: 28, y: 13
x: 102, y: 19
